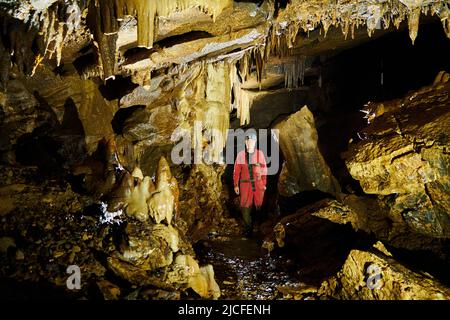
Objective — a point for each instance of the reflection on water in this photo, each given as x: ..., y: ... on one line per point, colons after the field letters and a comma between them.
x: 244, y: 271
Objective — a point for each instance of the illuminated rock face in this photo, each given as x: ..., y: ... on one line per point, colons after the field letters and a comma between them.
x: 305, y: 168
x: 404, y: 160
x: 144, y: 199
x: 375, y: 275
x: 200, y: 279
x: 151, y: 242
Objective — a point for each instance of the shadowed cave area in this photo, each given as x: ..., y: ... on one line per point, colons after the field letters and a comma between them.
x: 104, y: 117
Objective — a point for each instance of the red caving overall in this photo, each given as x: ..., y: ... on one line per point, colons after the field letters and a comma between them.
x: 250, y: 191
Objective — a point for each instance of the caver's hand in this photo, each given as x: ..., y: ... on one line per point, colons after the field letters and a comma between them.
x: 236, y: 189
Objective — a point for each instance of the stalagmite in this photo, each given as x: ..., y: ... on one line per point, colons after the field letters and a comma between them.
x: 137, y: 173
x: 168, y: 233
x: 163, y: 202
x: 119, y: 196
x: 137, y: 203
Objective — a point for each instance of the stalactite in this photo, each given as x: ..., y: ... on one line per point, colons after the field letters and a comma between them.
x: 235, y: 85
x: 444, y: 14
x: 244, y: 103
x: 259, y: 56
x: 217, y: 106
x: 307, y: 15
x: 413, y: 23
x: 102, y: 23
x: 245, y: 65
x: 147, y: 11
x: 294, y: 71
x: 242, y: 98
x: 48, y: 27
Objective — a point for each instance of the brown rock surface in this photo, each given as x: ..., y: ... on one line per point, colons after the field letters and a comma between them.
x: 304, y: 168
x: 374, y: 275
x: 405, y: 159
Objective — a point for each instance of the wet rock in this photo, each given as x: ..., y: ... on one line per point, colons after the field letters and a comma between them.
x: 297, y: 291
x: 373, y: 275
x: 404, y: 158
x: 148, y: 247
x: 304, y: 168
x: 109, y: 290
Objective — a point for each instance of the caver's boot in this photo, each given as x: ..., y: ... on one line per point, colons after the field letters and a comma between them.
x: 248, y: 226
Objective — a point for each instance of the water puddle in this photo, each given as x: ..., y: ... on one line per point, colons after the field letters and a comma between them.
x: 244, y: 271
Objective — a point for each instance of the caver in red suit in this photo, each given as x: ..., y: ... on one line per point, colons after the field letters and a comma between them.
x: 251, y: 186
x: 249, y: 177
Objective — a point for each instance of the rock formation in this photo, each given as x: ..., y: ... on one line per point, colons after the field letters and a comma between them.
x: 305, y: 168
x: 403, y: 159
x: 147, y: 246
x: 375, y: 275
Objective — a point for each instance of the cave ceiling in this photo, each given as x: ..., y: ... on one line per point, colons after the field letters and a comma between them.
x: 137, y: 38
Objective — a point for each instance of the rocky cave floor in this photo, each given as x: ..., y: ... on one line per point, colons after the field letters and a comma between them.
x: 52, y: 229
x: 55, y: 227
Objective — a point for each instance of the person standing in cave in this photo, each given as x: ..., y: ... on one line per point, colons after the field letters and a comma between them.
x: 249, y: 177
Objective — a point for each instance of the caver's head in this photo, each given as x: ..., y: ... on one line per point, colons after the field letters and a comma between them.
x: 250, y: 141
